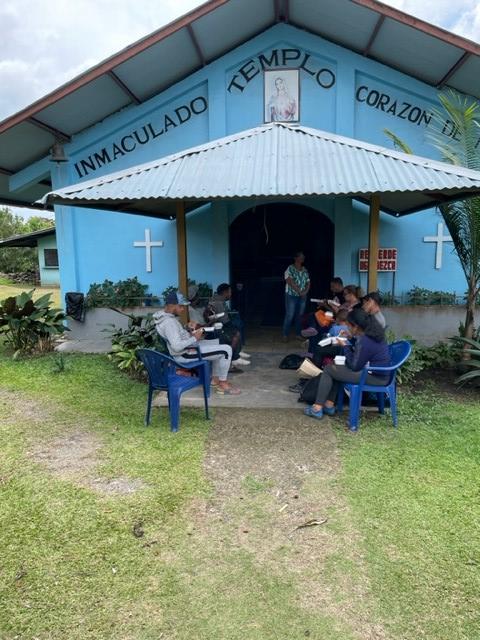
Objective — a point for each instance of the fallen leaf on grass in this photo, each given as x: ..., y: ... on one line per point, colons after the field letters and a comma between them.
x: 21, y: 574
x: 150, y: 544
x: 311, y: 523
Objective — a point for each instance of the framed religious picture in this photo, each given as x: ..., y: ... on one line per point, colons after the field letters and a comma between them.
x: 281, y: 95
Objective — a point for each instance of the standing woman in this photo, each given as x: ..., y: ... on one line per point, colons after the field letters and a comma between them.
x: 297, y: 284
x: 368, y: 347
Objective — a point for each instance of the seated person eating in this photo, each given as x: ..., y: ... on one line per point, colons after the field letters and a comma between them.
x: 368, y: 347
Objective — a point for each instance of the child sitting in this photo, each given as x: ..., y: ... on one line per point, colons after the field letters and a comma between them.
x: 340, y: 326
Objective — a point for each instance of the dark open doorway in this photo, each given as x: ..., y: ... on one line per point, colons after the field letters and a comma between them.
x: 262, y: 243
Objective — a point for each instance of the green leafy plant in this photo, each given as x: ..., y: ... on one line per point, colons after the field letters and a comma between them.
x: 441, y: 355
x: 421, y: 296
x: 472, y: 348
x: 140, y: 334
x: 30, y: 325
x: 59, y: 364
x: 388, y: 299
x: 205, y: 289
x: 124, y: 293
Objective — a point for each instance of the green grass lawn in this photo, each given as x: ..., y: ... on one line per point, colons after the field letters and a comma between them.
x: 415, y: 495
x: 78, y: 564
x: 7, y: 289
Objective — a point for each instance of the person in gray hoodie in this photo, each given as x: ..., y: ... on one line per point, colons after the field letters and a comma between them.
x: 180, y: 342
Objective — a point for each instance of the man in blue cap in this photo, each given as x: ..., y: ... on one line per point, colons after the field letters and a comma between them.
x: 180, y: 341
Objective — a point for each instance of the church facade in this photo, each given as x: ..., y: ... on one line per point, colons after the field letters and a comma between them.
x: 283, y: 74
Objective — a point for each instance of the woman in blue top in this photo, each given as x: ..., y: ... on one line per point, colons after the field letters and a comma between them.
x: 368, y: 347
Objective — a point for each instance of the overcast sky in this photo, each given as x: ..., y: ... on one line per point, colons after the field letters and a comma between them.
x: 45, y: 43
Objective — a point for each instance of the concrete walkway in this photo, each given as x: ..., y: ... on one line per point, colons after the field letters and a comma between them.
x: 263, y: 386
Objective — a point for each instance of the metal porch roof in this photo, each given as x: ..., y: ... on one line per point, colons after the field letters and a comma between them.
x: 368, y: 27
x: 275, y: 161
x: 27, y: 239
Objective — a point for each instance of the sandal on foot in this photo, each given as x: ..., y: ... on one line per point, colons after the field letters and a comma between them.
x: 227, y: 391
x: 329, y: 411
x: 308, y: 411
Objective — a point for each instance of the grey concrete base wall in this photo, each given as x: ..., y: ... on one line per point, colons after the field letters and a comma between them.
x: 428, y: 324
x: 94, y: 330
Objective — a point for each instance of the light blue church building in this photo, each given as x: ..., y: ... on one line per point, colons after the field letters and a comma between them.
x: 351, y: 67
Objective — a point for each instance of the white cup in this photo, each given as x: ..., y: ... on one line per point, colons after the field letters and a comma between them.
x: 339, y: 360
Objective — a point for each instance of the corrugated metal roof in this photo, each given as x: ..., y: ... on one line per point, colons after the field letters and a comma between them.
x: 27, y: 239
x: 368, y: 27
x: 275, y: 161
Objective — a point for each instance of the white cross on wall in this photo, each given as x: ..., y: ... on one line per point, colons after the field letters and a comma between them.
x: 439, y: 239
x: 148, y: 244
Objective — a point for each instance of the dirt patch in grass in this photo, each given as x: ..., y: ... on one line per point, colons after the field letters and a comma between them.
x: 16, y: 406
x: 119, y: 486
x: 74, y: 455
x: 70, y: 455
x: 276, y: 497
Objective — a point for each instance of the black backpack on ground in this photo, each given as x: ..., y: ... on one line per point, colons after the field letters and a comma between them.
x: 292, y: 361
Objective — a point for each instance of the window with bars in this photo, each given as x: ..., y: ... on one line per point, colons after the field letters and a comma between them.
x: 50, y: 257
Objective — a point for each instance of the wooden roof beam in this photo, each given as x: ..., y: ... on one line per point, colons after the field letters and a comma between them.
x: 9, y: 172
x: 59, y: 135
x: 421, y: 25
x: 135, y: 99
x: 376, y: 29
x: 196, y: 44
x: 459, y: 63
x: 276, y: 10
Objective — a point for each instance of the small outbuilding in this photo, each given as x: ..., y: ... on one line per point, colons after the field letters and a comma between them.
x: 46, y: 242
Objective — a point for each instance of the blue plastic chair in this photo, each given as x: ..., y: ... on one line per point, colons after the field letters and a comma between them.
x: 399, y: 353
x: 162, y: 375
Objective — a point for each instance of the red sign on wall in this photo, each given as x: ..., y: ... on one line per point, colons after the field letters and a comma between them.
x: 386, y: 261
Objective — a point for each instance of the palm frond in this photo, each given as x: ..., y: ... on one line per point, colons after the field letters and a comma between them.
x: 454, y: 130
x: 398, y: 143
x: 471, y: 375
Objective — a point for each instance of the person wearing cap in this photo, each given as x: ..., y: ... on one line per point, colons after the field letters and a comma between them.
x: 180, y: 342
x: 371, y: 304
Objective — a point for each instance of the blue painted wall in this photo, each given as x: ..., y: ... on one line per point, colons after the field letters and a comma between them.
x: 340, y: 91
x: 49, y: 276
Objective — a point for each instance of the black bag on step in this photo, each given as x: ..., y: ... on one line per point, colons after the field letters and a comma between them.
x: 292, y: 361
